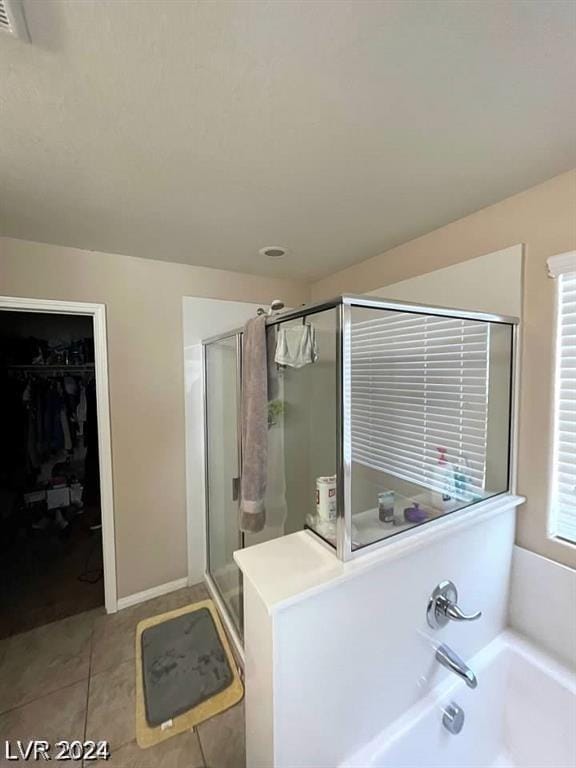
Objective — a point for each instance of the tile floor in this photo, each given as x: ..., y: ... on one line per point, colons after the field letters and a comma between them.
x: 75, y: 679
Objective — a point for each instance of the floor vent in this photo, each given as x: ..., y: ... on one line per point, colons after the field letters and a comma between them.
x: 12, y: 19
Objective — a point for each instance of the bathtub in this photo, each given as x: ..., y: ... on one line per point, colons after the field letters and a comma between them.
x: 523, y: 714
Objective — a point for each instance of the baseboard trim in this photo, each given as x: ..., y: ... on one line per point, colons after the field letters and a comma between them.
x: 150, y: 594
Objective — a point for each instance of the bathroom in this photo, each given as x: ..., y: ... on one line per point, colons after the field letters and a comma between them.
x: 385, y: 551
x: 457, y: 644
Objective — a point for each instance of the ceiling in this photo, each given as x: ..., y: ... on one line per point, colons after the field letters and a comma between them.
x: 200, y: 132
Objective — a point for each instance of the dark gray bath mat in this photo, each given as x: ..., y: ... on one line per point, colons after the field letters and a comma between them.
x: 183, y: 664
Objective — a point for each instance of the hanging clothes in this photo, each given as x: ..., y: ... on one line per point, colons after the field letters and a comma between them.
x: 81, y: 410
x: 14, y: 462
x: 53, y: 428
x: 66, y: 434
x: 45, y: 417
x: 296, y: 346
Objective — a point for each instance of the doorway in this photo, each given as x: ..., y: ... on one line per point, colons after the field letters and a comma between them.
x: 56, y: 516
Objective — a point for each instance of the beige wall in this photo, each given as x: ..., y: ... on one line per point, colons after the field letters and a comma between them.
x: 144, y: 313
x: 469, y: 285
x: 544, y: 220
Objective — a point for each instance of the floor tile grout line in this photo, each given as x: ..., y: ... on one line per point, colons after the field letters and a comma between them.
x: 108, y: 669
x: 197, y: 732
x: 113, y: 665
x: 88, y: 684
x: 116, y: 747
x: 43, y: 696
x: 39, y: 627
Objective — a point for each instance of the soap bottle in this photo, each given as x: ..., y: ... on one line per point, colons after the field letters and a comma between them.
x: 386, y: 506
x: 443, y: 490
x: 465, y: 490
x: 462, y: 480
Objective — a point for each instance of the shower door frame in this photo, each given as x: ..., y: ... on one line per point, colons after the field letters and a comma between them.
x: 211, y: 583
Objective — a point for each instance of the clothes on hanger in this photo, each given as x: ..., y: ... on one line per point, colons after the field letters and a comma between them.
x: 47, y: 415
x: 296, y: 345
x: 81, y: 409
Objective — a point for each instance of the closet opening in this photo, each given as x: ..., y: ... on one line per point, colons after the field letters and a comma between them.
x: 51, y: 522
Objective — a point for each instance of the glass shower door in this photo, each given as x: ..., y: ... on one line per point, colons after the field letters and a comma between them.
x: 222, y: 370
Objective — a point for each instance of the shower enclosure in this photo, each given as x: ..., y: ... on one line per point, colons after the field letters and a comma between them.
x: 406, y: 415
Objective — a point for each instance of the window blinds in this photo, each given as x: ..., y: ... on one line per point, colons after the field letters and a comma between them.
x: 419, y: 383
x: 564, y: 480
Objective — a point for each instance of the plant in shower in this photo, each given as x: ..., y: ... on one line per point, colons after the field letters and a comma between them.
x: 275, y: 410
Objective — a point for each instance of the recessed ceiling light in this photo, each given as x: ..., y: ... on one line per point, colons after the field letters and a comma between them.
x: 273, y: 251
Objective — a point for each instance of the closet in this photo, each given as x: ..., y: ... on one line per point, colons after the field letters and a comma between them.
x: 50, y: 520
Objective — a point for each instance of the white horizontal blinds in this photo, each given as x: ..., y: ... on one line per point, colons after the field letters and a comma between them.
x: 564, y: 491
x: 420, y: 382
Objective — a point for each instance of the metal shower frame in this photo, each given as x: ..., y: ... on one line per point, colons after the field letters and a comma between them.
x: 343, y: 304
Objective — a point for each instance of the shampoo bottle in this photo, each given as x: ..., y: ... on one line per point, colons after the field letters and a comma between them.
x: 443, y: 490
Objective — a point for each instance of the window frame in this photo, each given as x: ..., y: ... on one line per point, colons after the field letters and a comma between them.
x: 564, y: 263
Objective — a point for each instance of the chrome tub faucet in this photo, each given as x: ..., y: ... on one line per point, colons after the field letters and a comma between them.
x: 453, y: 662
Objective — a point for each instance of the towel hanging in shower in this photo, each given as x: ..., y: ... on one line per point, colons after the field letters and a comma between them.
x: 254, y: 426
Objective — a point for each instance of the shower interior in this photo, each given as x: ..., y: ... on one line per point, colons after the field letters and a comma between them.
x: 391, y: 383
x: 302, y: 444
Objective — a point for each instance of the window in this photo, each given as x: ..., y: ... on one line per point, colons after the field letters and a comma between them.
x: 563, y: 512
x: 420, y: 383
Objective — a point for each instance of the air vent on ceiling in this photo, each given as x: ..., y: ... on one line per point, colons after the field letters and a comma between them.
x: 12, y: 19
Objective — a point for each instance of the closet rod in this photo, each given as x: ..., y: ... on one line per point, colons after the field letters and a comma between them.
x: 51, y: 368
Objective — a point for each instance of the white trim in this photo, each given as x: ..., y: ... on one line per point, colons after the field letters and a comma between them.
x: 98, y: 313
x: 150, y: 594
x: 552, y: 457
x: 562, y: 263
x: 515, y: 410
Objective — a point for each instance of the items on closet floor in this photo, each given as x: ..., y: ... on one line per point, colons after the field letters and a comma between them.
x: 50, y: 519
x: 51, y: 547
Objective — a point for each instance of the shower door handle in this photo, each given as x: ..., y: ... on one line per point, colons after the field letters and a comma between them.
x: 235, y: 488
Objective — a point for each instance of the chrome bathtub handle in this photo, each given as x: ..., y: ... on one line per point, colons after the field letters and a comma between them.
x: 443, y: 607
x: 453, y: 612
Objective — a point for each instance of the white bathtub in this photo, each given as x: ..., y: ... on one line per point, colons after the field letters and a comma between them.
x: 523, y: 714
